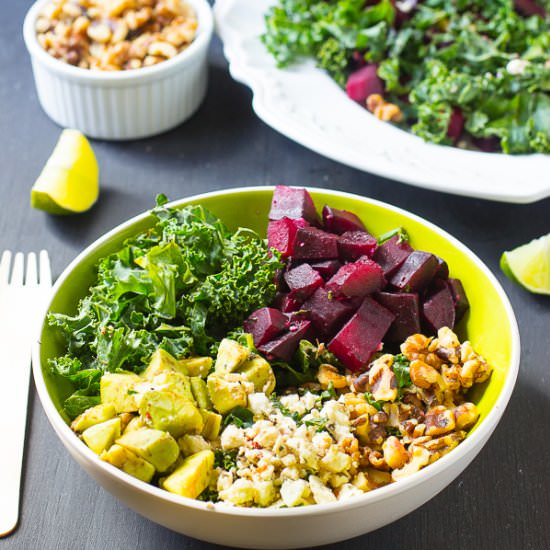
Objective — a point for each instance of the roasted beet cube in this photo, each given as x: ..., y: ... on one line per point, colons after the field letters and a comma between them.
x: 354, y: 244
x: 340, y: 221
x: 391, y: 254
x: 290, y: 303
x: 456, y: 125
x: 291, y: 202
x: 282, y: 233
x: 438, y: 309
x: 406, y: 308
x: 265, y: 324
x: 442, y: 271
x: 363, y: 82
x: 362, y: 335
x: 529, y: 7
x: 303, y: 281
x: 284, y: 346
x: 415, y: 273
x: 312, y: 243
x: 326, y: 313
x: 462, y: 305
x: 357, y: 279
x: 327, y: 268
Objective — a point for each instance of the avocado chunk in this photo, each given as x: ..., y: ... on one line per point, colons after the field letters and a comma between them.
x: 200, y: 392
x: 170, y: 412
x: 212, y: 424
x: 92, y: 416
x: 226, y: 392
x: 155, y: 446
x: 230, y: 356
x: 197, y: 366
x: 192, y: 444
x: 135, y: 424
x: 117, y: 389
x: 129, y: 462
x: 258, y: 371
x: 161, y: 361
x: 100, y: 437
x: 175, y: 382
x: 193, y: 476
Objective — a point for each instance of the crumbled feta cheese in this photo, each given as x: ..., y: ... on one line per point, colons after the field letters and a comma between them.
x: 241, y: 492
x: 348, y: 491
x: 293, y: 492
x: 259, y: 404
x: 336, y: 461
x: 232, y: 438
x: 321, y: 493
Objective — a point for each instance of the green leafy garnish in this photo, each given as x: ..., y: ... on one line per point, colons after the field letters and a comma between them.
x: 401, y: 369
x: 240, y: 416
x: 180, y: 286
x: 484, y: 61
x: 319, y: 423
x: 225, y: 459
x: 378, y: 405
x: 400, y: 231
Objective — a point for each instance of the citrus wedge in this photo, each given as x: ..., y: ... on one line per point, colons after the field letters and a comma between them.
x: 529, y: 265
x: 69, y: 182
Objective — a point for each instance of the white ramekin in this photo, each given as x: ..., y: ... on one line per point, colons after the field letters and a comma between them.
x: 126, y: 104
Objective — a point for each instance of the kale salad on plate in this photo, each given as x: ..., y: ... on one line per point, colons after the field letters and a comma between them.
x: 468, y: 73
x: 308, y: 367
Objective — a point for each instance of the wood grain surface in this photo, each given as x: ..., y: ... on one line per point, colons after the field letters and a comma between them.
x: 502, y: 501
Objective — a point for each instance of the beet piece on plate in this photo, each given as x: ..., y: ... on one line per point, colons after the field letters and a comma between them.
x: 363, y: 82
x: 438, y: 309
x: 340, y: 221
x: 327, y: 268
x: 284, y: 346
x: 312, y: 243
x: 362, y: 335
x: 462, y: 305
x: 290, y: 303
x: 265, y: 324
x: 359, y: 278
x: 415, y: 273
x: 406, y: 308
x: 391, y: 254
x: 354, y: 244
x: 456, y: 125
x: 326, y: 313
x: 442, y: 271
x: 282, y: 233
x: 291, y: 202
x: 303, y: 281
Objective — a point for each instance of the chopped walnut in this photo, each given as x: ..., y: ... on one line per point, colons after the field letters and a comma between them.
x: 439, y: 420
x: 327, y: 374
x: 383, y: 109
x: 395, y: 454
x: 382, y: 381
x: 419, y: 458
x: 423, y: 375
x: 113, y: 35
x: 466, y: 416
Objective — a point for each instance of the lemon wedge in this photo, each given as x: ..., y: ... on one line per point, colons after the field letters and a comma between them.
x: 69, y: 182
x: 529, y: 265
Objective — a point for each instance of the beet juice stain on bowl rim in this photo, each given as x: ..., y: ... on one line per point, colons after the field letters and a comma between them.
x: 304, y: 526
x: 128, y: 104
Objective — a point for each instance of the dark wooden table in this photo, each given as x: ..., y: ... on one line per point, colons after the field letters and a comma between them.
x: 502, y: 501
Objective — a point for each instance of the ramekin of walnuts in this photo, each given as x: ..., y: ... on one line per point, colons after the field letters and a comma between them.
x: 119, y: 69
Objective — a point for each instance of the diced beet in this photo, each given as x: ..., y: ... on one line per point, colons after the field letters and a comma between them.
x: 529, y: 7
x: 442, y: 271
x: 406, y: 308
x: 357, y: 279
x: 265, y: 324
x: 294, y: 203
x: 462, y: 305
x: 391, y: 254
x: 362, y: 335
x: 363, y: 82
x: 438, y: 309
x: 284, y: 346
x: 487, y: 144
x: 290, y: 303
x: 456, y: 125
x: 353, y: 244
x: 302, y: 281
x: 340, y: 221
x: 326, y: 313
x: 327, y: 268
x: 282, y: 233
x: 312, y: 243
x: 415, y: 273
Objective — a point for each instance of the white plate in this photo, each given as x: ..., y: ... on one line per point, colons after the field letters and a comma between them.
x: 303, y: 103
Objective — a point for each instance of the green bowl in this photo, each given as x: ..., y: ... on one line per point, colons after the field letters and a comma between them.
x: 490, y: 325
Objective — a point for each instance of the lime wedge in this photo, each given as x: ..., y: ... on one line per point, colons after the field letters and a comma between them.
x: 69, y: 182
x: 529, y: 265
